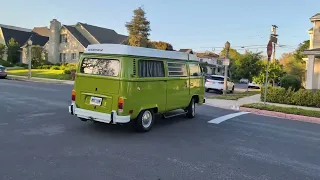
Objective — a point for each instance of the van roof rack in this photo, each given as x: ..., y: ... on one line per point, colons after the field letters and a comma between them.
x: 119, y: 49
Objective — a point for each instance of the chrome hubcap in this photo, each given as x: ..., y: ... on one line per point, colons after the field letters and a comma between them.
x: 146, y: 119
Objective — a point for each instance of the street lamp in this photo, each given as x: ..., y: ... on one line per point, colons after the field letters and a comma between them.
x: 29, y: 62
x: 227, y: 48
x: 269, y: 53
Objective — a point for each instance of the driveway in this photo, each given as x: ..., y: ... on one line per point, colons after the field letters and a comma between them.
x: 40, y: 140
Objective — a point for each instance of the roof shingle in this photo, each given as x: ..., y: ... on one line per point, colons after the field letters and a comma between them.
x: 104, y: 35
x: 78, y: 35
x: 19, y: 36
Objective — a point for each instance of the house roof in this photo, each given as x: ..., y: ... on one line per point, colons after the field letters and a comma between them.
x: 19, y: 36
x: 311, y: 29
x: 77, y: 35
x: 315, y: 17
x: 186, y: 51
x: 104, y: 35
x: 43, y: 31
x: 207, y: 55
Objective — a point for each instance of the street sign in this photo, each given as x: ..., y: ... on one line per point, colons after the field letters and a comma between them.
x: 273, y: 39
x: 269, y: 49
x: 226, y: 62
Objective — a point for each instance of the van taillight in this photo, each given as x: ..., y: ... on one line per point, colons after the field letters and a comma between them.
x: 120, y: 104
x: 73, y: 95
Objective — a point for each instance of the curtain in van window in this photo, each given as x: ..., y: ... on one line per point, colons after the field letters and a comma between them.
x: 149, y: 68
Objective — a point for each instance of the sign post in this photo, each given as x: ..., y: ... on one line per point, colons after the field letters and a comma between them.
x: 269, y: 52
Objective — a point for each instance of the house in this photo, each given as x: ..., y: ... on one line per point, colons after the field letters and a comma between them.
x: 213, y: 61
x: 67, y: 42
x: 313, y: 60
x: 21, y: 36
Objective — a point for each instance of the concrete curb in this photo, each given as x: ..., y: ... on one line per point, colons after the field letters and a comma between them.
x: 282, y: 115
x: 35, y: 79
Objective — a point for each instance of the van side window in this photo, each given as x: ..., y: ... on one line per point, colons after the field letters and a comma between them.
x: 151, y: 68
x: 177, y: 69
x: 104, y: 67
x: 194, y: 70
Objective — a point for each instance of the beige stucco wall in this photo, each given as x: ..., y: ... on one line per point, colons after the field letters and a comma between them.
x: 72, y: 46
x: 86, y: 34
x: 316, y: 35
x: 2, y: 41
x: 316, y: 75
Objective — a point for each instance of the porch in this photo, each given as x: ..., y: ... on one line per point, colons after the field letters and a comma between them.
x: 313, y: 69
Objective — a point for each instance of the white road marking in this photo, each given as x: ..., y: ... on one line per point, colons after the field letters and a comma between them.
x: 226, y: 117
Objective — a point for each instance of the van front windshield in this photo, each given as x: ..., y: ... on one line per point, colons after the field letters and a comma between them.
x: 103, y: 67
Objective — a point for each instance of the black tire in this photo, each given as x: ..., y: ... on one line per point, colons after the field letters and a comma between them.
x: 232, y: 90
x: 191, y: 109
x: 207, y: 90
x: 143, y: 126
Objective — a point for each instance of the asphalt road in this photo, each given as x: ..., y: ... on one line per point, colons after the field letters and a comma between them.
x: 40, y: 140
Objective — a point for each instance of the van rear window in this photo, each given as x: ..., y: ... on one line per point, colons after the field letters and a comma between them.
x: 103, y: 67
x: 216, y: 78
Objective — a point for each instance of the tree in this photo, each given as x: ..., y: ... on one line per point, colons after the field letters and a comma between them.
x: 139, y: 29
x: 2, y: 51
x: 275, y: 72
x: 162, y: 45
x: 13, y: 51
x: 298, y: 55
x: 38, y: 56
x: 293, y: 66
x: 248, y: 65
x: 233, y: 54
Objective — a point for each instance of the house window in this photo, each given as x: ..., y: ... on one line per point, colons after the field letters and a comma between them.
x: 177, y: 69
x: 73, y: 56
x: 63, y: 57
x: 151, y: 68
x: 194, y: 70
x: 63, y: 38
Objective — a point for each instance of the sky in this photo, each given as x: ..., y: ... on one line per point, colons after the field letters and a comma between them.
x: 200, y: 25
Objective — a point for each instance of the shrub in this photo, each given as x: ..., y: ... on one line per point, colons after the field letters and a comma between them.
x: 290, y: 81
x: 55, y: 68
x: 67, y: 71
x: 6, y: 63
x: 302, y: 97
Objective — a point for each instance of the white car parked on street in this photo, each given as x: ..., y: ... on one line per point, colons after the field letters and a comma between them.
x: 215, y: 82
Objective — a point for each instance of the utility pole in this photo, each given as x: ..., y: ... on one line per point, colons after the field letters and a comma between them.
x: 226, y: 64
x: 274, y: 38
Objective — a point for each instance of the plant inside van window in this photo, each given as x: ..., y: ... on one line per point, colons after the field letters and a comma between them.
x: 177, y: 69
x: 104, y: 67
x: 151, y: 68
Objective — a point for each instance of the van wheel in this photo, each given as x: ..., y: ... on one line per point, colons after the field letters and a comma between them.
x: 191, y: 109
x: 144, y: 121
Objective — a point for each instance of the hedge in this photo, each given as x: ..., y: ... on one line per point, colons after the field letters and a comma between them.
x: 302, y: 97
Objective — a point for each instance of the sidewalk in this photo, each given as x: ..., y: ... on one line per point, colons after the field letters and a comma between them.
x: 233, y: 104
x: 36, y: 79
x: 229, y: 104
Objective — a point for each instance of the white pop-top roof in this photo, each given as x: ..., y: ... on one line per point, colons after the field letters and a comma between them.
x: 137, y: 51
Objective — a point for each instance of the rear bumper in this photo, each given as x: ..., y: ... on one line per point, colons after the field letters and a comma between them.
x: 97, y: 116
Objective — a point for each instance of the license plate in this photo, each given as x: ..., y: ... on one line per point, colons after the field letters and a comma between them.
x: 96, y: 101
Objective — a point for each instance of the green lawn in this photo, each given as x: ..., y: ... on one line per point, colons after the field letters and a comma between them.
x: 288, y: 110
x: 41, y: 73
x: 235, y: 96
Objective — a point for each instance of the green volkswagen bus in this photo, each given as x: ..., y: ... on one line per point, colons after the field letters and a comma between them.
x: 121, y: 84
